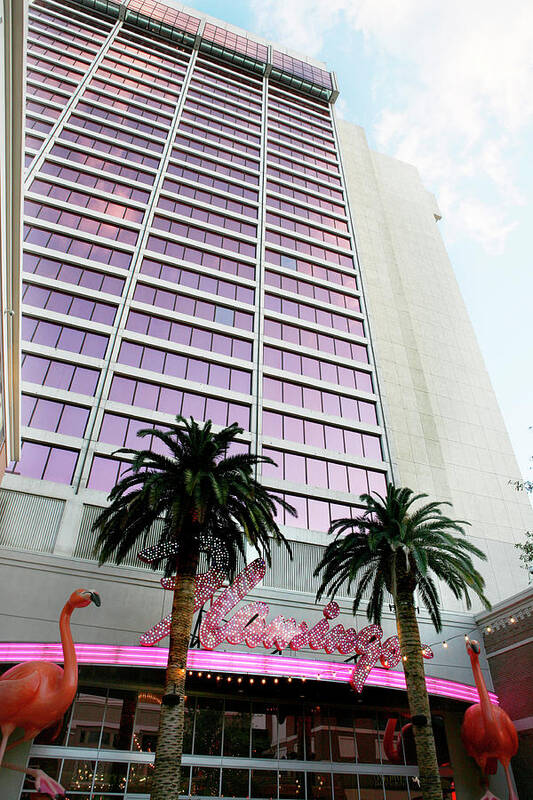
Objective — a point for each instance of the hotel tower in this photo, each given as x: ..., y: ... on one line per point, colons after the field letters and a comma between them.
x: 203, y: 236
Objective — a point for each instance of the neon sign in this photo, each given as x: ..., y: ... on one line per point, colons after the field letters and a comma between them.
x: 249, y: 625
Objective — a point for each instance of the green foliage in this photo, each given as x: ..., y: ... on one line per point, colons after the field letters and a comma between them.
x: 526, y: 550
x: 208, y: 501
x: 391, y: 543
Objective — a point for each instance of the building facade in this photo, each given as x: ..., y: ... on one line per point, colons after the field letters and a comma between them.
x: 189, y: 247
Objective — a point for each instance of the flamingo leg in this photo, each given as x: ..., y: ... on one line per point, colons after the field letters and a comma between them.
x: 31, y: 734
x: 512, y: 794
x: 7, y: 730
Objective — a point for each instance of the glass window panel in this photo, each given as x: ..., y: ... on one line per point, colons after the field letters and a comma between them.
x: 146, y: 722
x: 312, y: 399
x: 291, y: 727
x: 264, y: 783
x: 208, y: 728
x: 193, y: 406
x: 317, y: 734
x: 119, y: 718
x: 216, y: 411
x: 73, y: 420
x: 146, y: 395
x: 367, y: 740
x: 122, y: 389
x: 370, y: 787
x: 237, y: 728
x: 197, y: 371
x: 110, y: 776
x: 342, y: 736
x: 318, y: 786
x: 319, y: 516
x: 272, y: 424
x: 60, y: 466
x: 292, y: 394
x: 235, y: 783
x: 87, y: 718
x: 170, y: 400
x: 345, y: 787
x: 205, y: 781
x: 240, y: 381
x: 334, y: 438
x: 294, y: 429
x: 331, y: 404
x: 140, y: 779
x: 337, y: 477
x: 377, y: 482
x: 357, y: 480
x: 77, y: 775
x: 264, y: 730
x: 103, y: 473
x: 354, y: 443
x: 291, y: 785
x: 317, y: 472
x: 60, y: 375
x: 294, y: 467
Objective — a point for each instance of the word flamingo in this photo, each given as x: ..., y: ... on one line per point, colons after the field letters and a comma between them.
x: 36, y: 694
x: 487, y: 732
x: 249, y: 625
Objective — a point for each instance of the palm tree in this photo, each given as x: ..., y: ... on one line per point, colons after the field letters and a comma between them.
x: 209, y: 502
x: 392, y: 547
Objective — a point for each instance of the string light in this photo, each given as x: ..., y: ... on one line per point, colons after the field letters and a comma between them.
x: 404, y: 658
x: 512, y: 620
x: 445, y: 645
x: 263, y: 680
x: 239, y: 680
x: 488, y: 629
x: 251, y: 680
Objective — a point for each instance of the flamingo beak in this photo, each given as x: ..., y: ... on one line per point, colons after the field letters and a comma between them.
x: 95, y: 598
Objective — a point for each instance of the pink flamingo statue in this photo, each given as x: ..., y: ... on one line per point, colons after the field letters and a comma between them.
x: 36, y: 694
x: 487, y: 732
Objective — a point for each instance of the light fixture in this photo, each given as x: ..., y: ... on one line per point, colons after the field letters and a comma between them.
x: 445, y: 645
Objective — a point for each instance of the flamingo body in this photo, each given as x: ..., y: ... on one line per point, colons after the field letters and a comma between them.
x: 36, y: 694
x: 32, y: 695
x: 489, y: 740
x: 487, y: 731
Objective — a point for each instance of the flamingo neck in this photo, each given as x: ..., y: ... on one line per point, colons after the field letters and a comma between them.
x: 484, y: 699
x: 70, y: 673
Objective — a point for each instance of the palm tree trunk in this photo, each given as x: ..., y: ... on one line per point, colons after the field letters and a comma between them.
x: 413, y: 666
x: 167, y: 772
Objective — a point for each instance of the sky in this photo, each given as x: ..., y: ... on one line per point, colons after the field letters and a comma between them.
x: 447, y: 87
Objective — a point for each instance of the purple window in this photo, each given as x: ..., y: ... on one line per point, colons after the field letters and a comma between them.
x: 219, y: 376
x: 170, y: 400
x: 334, y: 439
x: 61, y: 465
x: 217, y: 411
x: 338, y: 479
x: 319, y: 518
x: 372, y: 447
x: 354, y: 443
x: 331, y: 404
x: 146, y: 395
x: 240, y: 381
x: 312, y: 399
x: 175, y: 365
x: 294, y: 429
x: 113, y: 430
x: 73, y: 420
x: 122, y: 390
x: 197, y: 371
x: 292, y: 394
x: 32, y: 460
x: 34, y: 369
x: 46, y: 415
x: 104, y: 473
x: 314, y: 434
x: 358, y: 481
x: 272, y: 389
x: 130, y: 354
x: 317, y: 473
x: 272, y: 424
x: 193, y: 406
x: 377, y: 482
x: 367, y: 412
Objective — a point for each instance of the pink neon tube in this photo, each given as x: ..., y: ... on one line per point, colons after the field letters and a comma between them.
x: 243, y: 663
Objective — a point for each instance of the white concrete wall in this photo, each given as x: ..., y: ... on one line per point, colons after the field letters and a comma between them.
x: 446, y: 433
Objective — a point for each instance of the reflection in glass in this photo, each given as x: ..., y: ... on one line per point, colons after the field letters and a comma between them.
x: 147, y: 721
x: 119, y: 718
x: 366, y: 735
x: 140, y: 778
x: 317, y: 735
x: 370, y: 787
x: 291, y: 784
x: 237, y: 728
x: 87, y: 718
x: 110, y: 777
x: 205, y: 781
x: 208, y: 727
x: 318, y: 786
x: 264, y: 730
x: 342, y: 737
x: 264, y: 783
x: 396, y: 787
x: 345, y: 786
x: 291, y: 739
x: 77, y: 775
x: 235, y: 783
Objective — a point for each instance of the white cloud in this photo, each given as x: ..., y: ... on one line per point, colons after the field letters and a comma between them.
x: 458, y: 92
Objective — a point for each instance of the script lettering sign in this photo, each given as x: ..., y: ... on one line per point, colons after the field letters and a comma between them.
x: 249, y: 625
